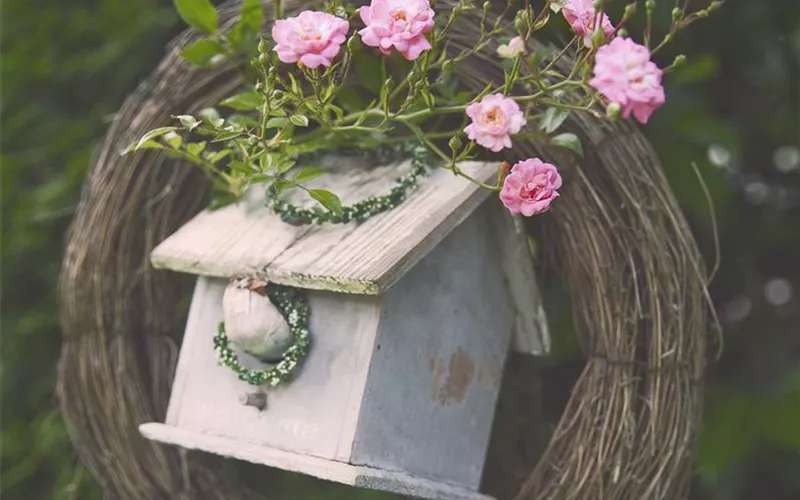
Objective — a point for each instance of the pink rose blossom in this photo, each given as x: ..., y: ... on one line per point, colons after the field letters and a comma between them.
x: 624, y: 73
x: 581, y: 17
x: 515, y: 47
x: 398, y: 24
x: 494, y: 119
x: 312, y: 38
x: 531, y: 187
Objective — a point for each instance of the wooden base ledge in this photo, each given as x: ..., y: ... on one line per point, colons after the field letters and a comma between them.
x: 359, y: 476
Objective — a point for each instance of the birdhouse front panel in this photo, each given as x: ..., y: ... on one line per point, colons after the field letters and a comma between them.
x: 313, y: 415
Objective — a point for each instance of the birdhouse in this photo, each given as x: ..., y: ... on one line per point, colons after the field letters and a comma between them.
x: 411, y: 315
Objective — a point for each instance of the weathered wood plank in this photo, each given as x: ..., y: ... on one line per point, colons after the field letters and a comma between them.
x: 435, y: 372
x: 532, y: 335
x: 366, y: 477
x: 248, y: 239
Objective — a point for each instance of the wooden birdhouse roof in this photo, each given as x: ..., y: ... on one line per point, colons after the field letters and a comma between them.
x: 367, y: 258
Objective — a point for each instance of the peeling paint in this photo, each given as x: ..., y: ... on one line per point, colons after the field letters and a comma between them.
x: 460, y: 374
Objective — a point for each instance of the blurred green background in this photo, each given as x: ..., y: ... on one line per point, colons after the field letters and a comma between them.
x: 733, y: 109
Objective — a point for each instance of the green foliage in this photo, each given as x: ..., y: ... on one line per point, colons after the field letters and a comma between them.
x: 66, y: 68
x: 199, y: 14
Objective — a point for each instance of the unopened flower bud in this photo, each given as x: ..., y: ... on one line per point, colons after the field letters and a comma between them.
x: 630, y: 10
x: 679, y: 60
x: 448, y: 66
x: 598, y: 5
x: 487, y: 6
x: 598, y: 37
x: 676, y: 14
x: 622, y: 33
x: 521, y: 21
x: 650, y: 5
x: 614, y: 111
x: 455, y: 143
x: 263, y: 48
x: 259, y: 86
x: 701, y: 13
x: 263, y: 59
x: 715, y: 6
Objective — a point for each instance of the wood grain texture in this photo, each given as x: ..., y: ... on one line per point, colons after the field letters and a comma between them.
x: 364, y: 477
x: 248, y: 239
x: 436, y: 369
x: 532, y: 335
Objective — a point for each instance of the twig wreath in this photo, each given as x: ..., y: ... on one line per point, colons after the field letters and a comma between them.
x: 300, y: 101
x: 110, y: 373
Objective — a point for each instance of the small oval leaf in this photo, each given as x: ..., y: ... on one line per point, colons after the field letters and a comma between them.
x: 199, y: 14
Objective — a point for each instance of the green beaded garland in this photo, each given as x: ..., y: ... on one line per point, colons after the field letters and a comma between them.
x: 364, y: 209
x: 291, y: 302
x: 293, y: 306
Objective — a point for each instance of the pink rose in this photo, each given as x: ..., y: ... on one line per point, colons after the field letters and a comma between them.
x: 312, y: 38
x: 494, y: 119
x: 624, y: 73
x: 515, y: 47
x: 581, y: 17
x: 401, y: 24
x: 531, y: 187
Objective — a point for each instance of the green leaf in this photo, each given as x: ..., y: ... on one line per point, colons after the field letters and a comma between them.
x: 284, y: 164
x: 242, y: 36
x: 189, y: 122
x: 214, y: 157
x: 199, y: 14
x: 308, y: 173
x: 276, y: 122
x: 327, y: 199
x: 242, y: 121
x: 145, y: 145
x: 299, y: 120
x: 173, y: 139
x: 552, y: 119
x: 281, y: 185
x: 156, y: 132
x: 569, y: 141
x: 243, y: 102
x: 195, y: 148
x: 212, y: 116
x: 203, y: 52
x: 251, y: 15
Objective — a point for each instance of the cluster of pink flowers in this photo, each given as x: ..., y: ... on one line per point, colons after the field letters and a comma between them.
x: 623, y: 73
x: 313, y: 39
x: 581, y: 16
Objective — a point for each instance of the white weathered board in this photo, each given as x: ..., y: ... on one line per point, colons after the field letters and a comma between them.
x: 249, y: 239
x: 361, y: 477
x: 532, y: 335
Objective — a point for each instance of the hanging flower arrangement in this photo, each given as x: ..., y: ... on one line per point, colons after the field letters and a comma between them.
x: 380, y: 77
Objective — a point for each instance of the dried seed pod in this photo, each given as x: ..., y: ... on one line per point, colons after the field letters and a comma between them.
x: 252, y: 322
